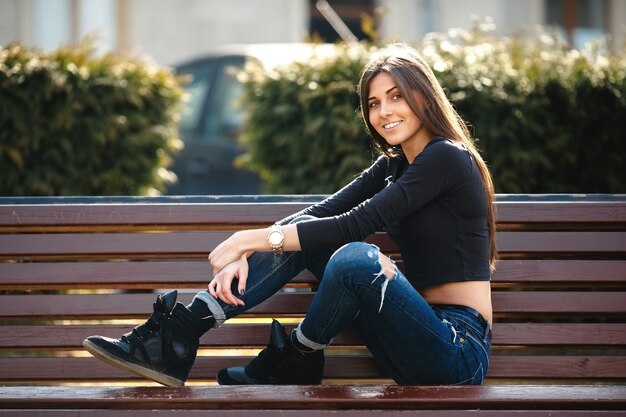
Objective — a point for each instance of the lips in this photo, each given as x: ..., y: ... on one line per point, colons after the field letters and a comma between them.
x: 391, y: 125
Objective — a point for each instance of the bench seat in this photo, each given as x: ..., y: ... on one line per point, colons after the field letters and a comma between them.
x: 237, y: 400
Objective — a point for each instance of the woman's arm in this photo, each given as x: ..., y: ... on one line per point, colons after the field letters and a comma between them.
x: 254, y: 240
x: 368, y: 183
x: 440, y: 167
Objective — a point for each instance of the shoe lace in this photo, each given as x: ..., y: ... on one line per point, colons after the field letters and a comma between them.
x: 148, y: 328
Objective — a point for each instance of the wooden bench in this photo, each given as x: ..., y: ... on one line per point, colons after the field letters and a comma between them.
x: 73, y: 267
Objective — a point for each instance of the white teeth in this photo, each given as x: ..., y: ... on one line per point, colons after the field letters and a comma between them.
x: 391, y: 125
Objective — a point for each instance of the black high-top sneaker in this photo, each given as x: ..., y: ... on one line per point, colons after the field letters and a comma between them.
x: 162, y: 349
x: 280, y: 363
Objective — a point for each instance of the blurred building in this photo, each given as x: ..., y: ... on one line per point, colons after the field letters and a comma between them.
x: 174, y: 30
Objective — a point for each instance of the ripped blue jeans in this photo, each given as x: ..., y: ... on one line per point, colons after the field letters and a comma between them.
x: 412, y: 341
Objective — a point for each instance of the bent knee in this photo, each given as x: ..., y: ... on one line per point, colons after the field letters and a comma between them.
x: 354, y: 254
x: 354, y: 251
x: 357, y: 252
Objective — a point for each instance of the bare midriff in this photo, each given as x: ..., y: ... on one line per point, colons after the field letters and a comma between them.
x: 474, y: 294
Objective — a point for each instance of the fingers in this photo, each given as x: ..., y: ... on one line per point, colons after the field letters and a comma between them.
x: 220, y: 287
x: 243, y: 278
x: 214, y: 287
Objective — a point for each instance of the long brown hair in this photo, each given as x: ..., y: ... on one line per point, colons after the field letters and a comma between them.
x: 411, y: 75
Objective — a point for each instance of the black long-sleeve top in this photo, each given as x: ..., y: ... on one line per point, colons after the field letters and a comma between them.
x: 434, y: 209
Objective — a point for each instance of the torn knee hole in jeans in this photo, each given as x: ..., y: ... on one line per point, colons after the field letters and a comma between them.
x: 388, y: 266
x: 388, y: 269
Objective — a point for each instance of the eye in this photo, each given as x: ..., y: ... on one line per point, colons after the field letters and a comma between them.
x: 396, y: 97
x: 372, y: 104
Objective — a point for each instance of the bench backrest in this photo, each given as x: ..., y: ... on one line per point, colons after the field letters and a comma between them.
x: 70, y: 268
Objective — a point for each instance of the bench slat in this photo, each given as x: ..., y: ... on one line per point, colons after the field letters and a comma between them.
x: 561, y: 366
x: 542, y: 271
x: 195, y: 274
x: 127, y: 245
x: 146, y: 214
x: 526, y: 334
x: 111, y: 244
x: 522, y: 397
x: 138, y: 305
x: 174, y: 412
x: 558, y: 242
x: 255, y: 212
x: 91, y: 369
x: 560, y: 212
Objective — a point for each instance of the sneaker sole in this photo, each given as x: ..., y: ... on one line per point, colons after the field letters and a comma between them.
x: 137, y: 369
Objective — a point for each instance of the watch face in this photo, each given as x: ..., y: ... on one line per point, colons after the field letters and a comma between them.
x: 275, y: 238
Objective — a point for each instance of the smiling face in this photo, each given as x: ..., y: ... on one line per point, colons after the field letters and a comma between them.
x: 392, y: 118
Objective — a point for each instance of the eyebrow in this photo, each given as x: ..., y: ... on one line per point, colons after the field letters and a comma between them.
x: 386, y: 92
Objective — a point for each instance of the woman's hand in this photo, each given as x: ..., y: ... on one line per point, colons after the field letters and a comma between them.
x: 221, y: 284
x: 233, y: 248
x: 226, y: 253
x: 229, y: 260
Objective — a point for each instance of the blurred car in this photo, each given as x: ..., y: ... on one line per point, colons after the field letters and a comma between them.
x: 213, y: 116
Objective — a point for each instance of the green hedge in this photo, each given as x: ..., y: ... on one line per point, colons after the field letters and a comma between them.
x: 302, y: 133
x: 72, y: 123
x: 547, y: 119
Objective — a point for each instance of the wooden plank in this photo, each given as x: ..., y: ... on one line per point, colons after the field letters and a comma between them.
x: 192, y: 273
x: 561, y: 212
x: 509, y: 366
x: 310, y: 413
x: 195, y: 273
x: 557, y: 367
x: 145, y: 214
x: 174, y: 211
x: 561, y: 242
x: 124, y: 245
x: 138, y: 305
x: 540, y: 397
x: 124, y: 305
x: 235, y: 335
x: 559, y: 334
x: 532, y: 271
x: 151, y: 274
x: 127, y: 245
x: 569, y: 303
x: 313, y: 413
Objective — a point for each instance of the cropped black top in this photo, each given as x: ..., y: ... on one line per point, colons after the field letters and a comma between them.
x: 434, y: 209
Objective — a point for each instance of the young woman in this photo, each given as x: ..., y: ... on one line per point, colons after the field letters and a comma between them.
x: 430, y: 190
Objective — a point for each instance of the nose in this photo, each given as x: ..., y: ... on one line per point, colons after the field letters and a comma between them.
x: 384, y: 110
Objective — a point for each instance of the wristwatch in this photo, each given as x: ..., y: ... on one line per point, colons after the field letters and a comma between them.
x: 276, y: 238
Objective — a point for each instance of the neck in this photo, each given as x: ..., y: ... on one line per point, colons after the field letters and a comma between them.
x: 412, y: 150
